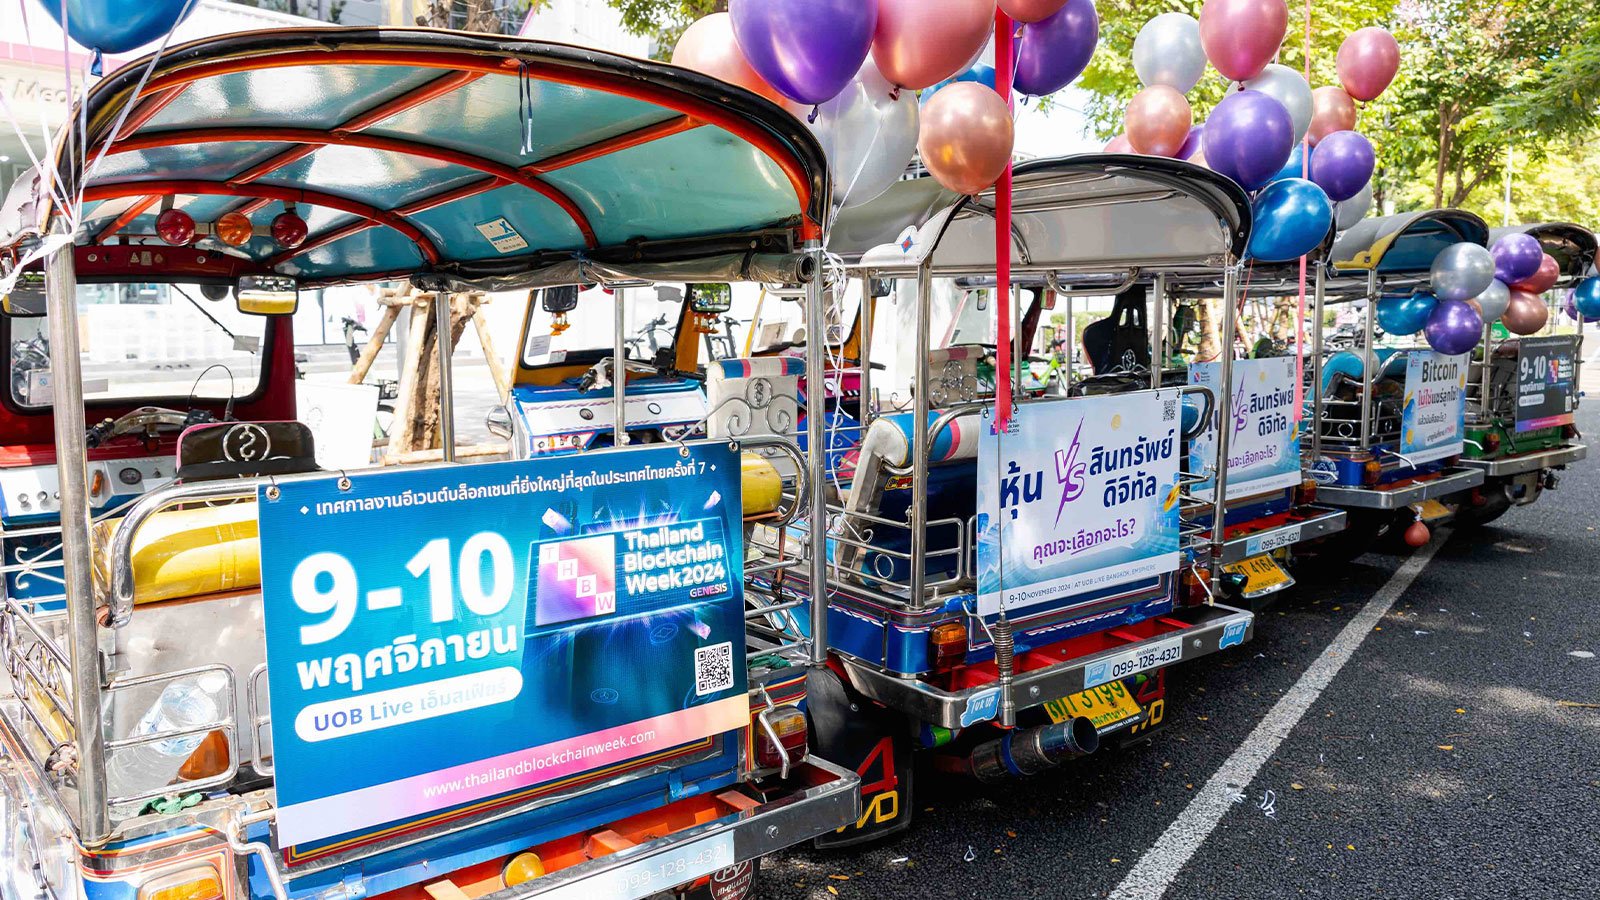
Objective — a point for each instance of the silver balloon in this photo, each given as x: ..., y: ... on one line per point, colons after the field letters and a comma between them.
x: 868, y: 135
x: 1349, y: 212
x: 1288, y: 87
x: 1494, y: 300
x: 1462, y: 271
x: 1168, y: 51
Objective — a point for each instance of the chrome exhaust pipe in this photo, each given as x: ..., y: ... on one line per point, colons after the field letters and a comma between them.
x: 1033, y: 750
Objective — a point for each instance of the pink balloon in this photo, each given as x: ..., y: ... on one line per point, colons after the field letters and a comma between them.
x: 1367, y: 61
x: 967, y: 136
x: 920, y: 43
x: 1158, y: 121
x: 1241, y: 36
x: 709, y: 47
x: 1028, y: 11
x: 1331, y: 110
x: 1118, y: 144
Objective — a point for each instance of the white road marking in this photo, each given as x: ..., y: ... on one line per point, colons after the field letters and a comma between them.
x: 1153, y: 874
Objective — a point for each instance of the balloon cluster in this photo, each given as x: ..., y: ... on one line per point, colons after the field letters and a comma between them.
x: 1473, y: 286
x: 1262, y: 133
x: 852, y: 68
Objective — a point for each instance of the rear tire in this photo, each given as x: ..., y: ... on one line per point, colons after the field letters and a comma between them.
x: 1495, y: 505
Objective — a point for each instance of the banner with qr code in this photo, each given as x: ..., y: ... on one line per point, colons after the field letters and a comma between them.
x: 1077, y: 496
x: 442, y: 636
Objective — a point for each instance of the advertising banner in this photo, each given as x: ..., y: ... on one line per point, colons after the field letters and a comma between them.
x: 439, y: 636
x: 1078, y: 495
x: 1263, y: 438
x: 1547, y: 384
x: 1433, y: 419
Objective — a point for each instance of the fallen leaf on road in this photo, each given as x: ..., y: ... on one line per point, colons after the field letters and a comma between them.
x: 1297, y: 786
x: 1447, y: 746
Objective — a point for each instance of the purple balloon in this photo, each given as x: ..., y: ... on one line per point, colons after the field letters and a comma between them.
x: 1343, y: 164
x: 1191, y: 145
x: 1516, y: 257
x: 808, y: 50
x: 1570, y: 304
x: 1248, y: 138
x: 1454, y: 328
x: 1056, y: 50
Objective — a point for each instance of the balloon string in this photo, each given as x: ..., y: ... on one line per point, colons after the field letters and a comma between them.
x: 1004, y: 75
x: 1300, y: 320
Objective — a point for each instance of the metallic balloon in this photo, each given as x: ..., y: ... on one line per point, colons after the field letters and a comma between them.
x: 981, y: 73
x: 1462, y: 271
x: 869, y: 133
x: 1406, y: 315
x: 1194, y: 142
x: 1289, y: 218
x: 1525, y: 314
x: 1453, y: 328
x: 1248, y: 138
x: 1158, y: 121
x: 807, y: 49
x: 117, y: 26
x: 1343, y: 164
x: 919, y: 43
x: 709, y: 47
x: 1241, y: 36
x: 1331, y: 110
x: 1295, y: 166
x: 1026, y: 11
x: 1118, y: 144
x: 1516, y: 257
x: 967, y: 137
x: 1168, y: 51
x: 1493, y: 301
x: 1288, y: 87
x: 1348, y: 212
x: 1057, y: 50
x: 1544, y: 279
x: 1586, y: 297
x: 1367, y: 62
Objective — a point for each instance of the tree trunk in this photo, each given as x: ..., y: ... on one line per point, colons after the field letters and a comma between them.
x: 1446, y: 132
x: 1209, y: 314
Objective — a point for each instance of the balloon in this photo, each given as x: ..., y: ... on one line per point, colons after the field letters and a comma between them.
x: 1544, y: 279
x: 1525, y: 314
x: 1027, y: 11
x: 980, y: 73
x: 1493, y: 301
x: 869, y: 135
x: 1288, y: 87
x: 1293, y: 167
x: 1343, y: 164
x: 1056, y: 50
x: 709, y: 47
x: 1118, y: 144
x: 1570, y: 306
x: 1453, y: 328
x: 1168, y: 51
x: 1248, y: 138
x: 1192, y: 143
x: 1367, y: 61
x: 1158, y: 121
x: 807, y: 49
x: 1417, y: 534
x: 919, y: 43
x: 967, y: 137
x: 1516, y: 257
x: 1241, y: 36
x: 1405, y: 315
x: 1586, y: 297
x: 1289, y: 219
x: 117, y: 26
x: 1348, y: 212
x: 1331, y: 110
x: 1462, y: 271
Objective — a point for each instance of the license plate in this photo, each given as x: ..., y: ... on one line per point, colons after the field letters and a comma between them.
x: 1263, y: 575
x: 1433, y: 509
x: 1266, y: 543
x: 1132, y: 662
x: 654, y: 874
x: 1106, y: 706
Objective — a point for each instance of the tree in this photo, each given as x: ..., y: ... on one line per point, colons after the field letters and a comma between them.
x: 487, y: 16
x: 664, y: 20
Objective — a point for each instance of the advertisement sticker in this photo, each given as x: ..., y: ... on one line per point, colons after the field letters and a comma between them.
x: 1433, y: 419
x: 440, y: 636
x: 1546, y: 381
x: 1263, y: 438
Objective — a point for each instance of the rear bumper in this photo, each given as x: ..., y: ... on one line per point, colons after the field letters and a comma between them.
x: 1451, y: 482
x: 1203, y: 630
x: 1528, y: 462
x: 1317, y: 521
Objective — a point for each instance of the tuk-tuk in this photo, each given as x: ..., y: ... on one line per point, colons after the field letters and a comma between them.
x: 257, y: 678
x: 1387, y: 429
x: 1009, y: 599
x: 1522, y: 402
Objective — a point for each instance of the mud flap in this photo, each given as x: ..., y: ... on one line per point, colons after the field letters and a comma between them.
x: 852, y: 732
x: 1150, y: 690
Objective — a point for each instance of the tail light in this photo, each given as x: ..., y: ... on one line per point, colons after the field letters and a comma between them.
x: 195, y: 883
x: 1194, y: 591
x: 1305, y: 493
x: 780, y: 738
x: 1371, y: 472
x: 522, y: 868
x: 947, y: 645
x: 208, y: 759
x: 1491, y: 441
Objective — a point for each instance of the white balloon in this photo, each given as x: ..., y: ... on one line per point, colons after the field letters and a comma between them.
x: 1494, y: 300
x: 1168, y: 51
x: 1349, y: 212
x: 1462, y: 271
x: 1288, y: 87
x: 869, y: 136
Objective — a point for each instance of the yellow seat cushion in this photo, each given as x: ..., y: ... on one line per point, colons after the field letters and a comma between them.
x: 191, y: 552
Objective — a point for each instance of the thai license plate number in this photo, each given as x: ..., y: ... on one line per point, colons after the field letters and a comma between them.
x: 1266, y: 543
x: 1262, y: 574
x: 653, y: 874
x: 1106, y: 705
x: 1132, y: 662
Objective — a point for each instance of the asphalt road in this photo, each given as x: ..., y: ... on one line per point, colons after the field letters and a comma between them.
x: 1455, y: 755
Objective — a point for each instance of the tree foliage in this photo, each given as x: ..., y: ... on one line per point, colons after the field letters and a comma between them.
x: 664, y: 20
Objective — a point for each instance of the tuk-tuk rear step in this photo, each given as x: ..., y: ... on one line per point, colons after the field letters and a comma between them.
x: 1507, y: 466
x: 1451, y: 481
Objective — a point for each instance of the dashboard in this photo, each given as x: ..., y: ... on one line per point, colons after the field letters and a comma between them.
x: 32, y: 494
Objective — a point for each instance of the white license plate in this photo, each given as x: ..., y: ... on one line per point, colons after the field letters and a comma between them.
x: 1257, y: 545
x: 1133, y: 661
x: 654, y: 874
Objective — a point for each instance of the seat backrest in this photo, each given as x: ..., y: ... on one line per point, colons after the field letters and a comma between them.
x: 953, y: 375
x: 751, y: 397
x: 236, y: 449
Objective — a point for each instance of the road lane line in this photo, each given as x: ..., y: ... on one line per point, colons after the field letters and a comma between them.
x: 1154, y: 873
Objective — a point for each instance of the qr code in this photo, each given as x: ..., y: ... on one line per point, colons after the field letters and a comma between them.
x: 713, y: 668
x: 1169, y: 409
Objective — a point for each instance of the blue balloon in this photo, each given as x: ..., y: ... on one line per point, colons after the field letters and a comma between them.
x: 981, y: 73
x: 1586, y: 297
x: 1405, y: 315
x: 1293, y: 168
x: 117, y: 26
x: 1290, y: 218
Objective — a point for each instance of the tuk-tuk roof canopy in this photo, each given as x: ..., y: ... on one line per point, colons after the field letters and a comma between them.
x: 474, y: 159
x: 1573, y: 246
x: 1405, y: 243
x: 1090, y: 213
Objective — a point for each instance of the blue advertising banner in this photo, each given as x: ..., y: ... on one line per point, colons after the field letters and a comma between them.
x: 1078, y: 495
x: 1263, y: 439
x: 439, y: 636
x: 1433, y: 419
